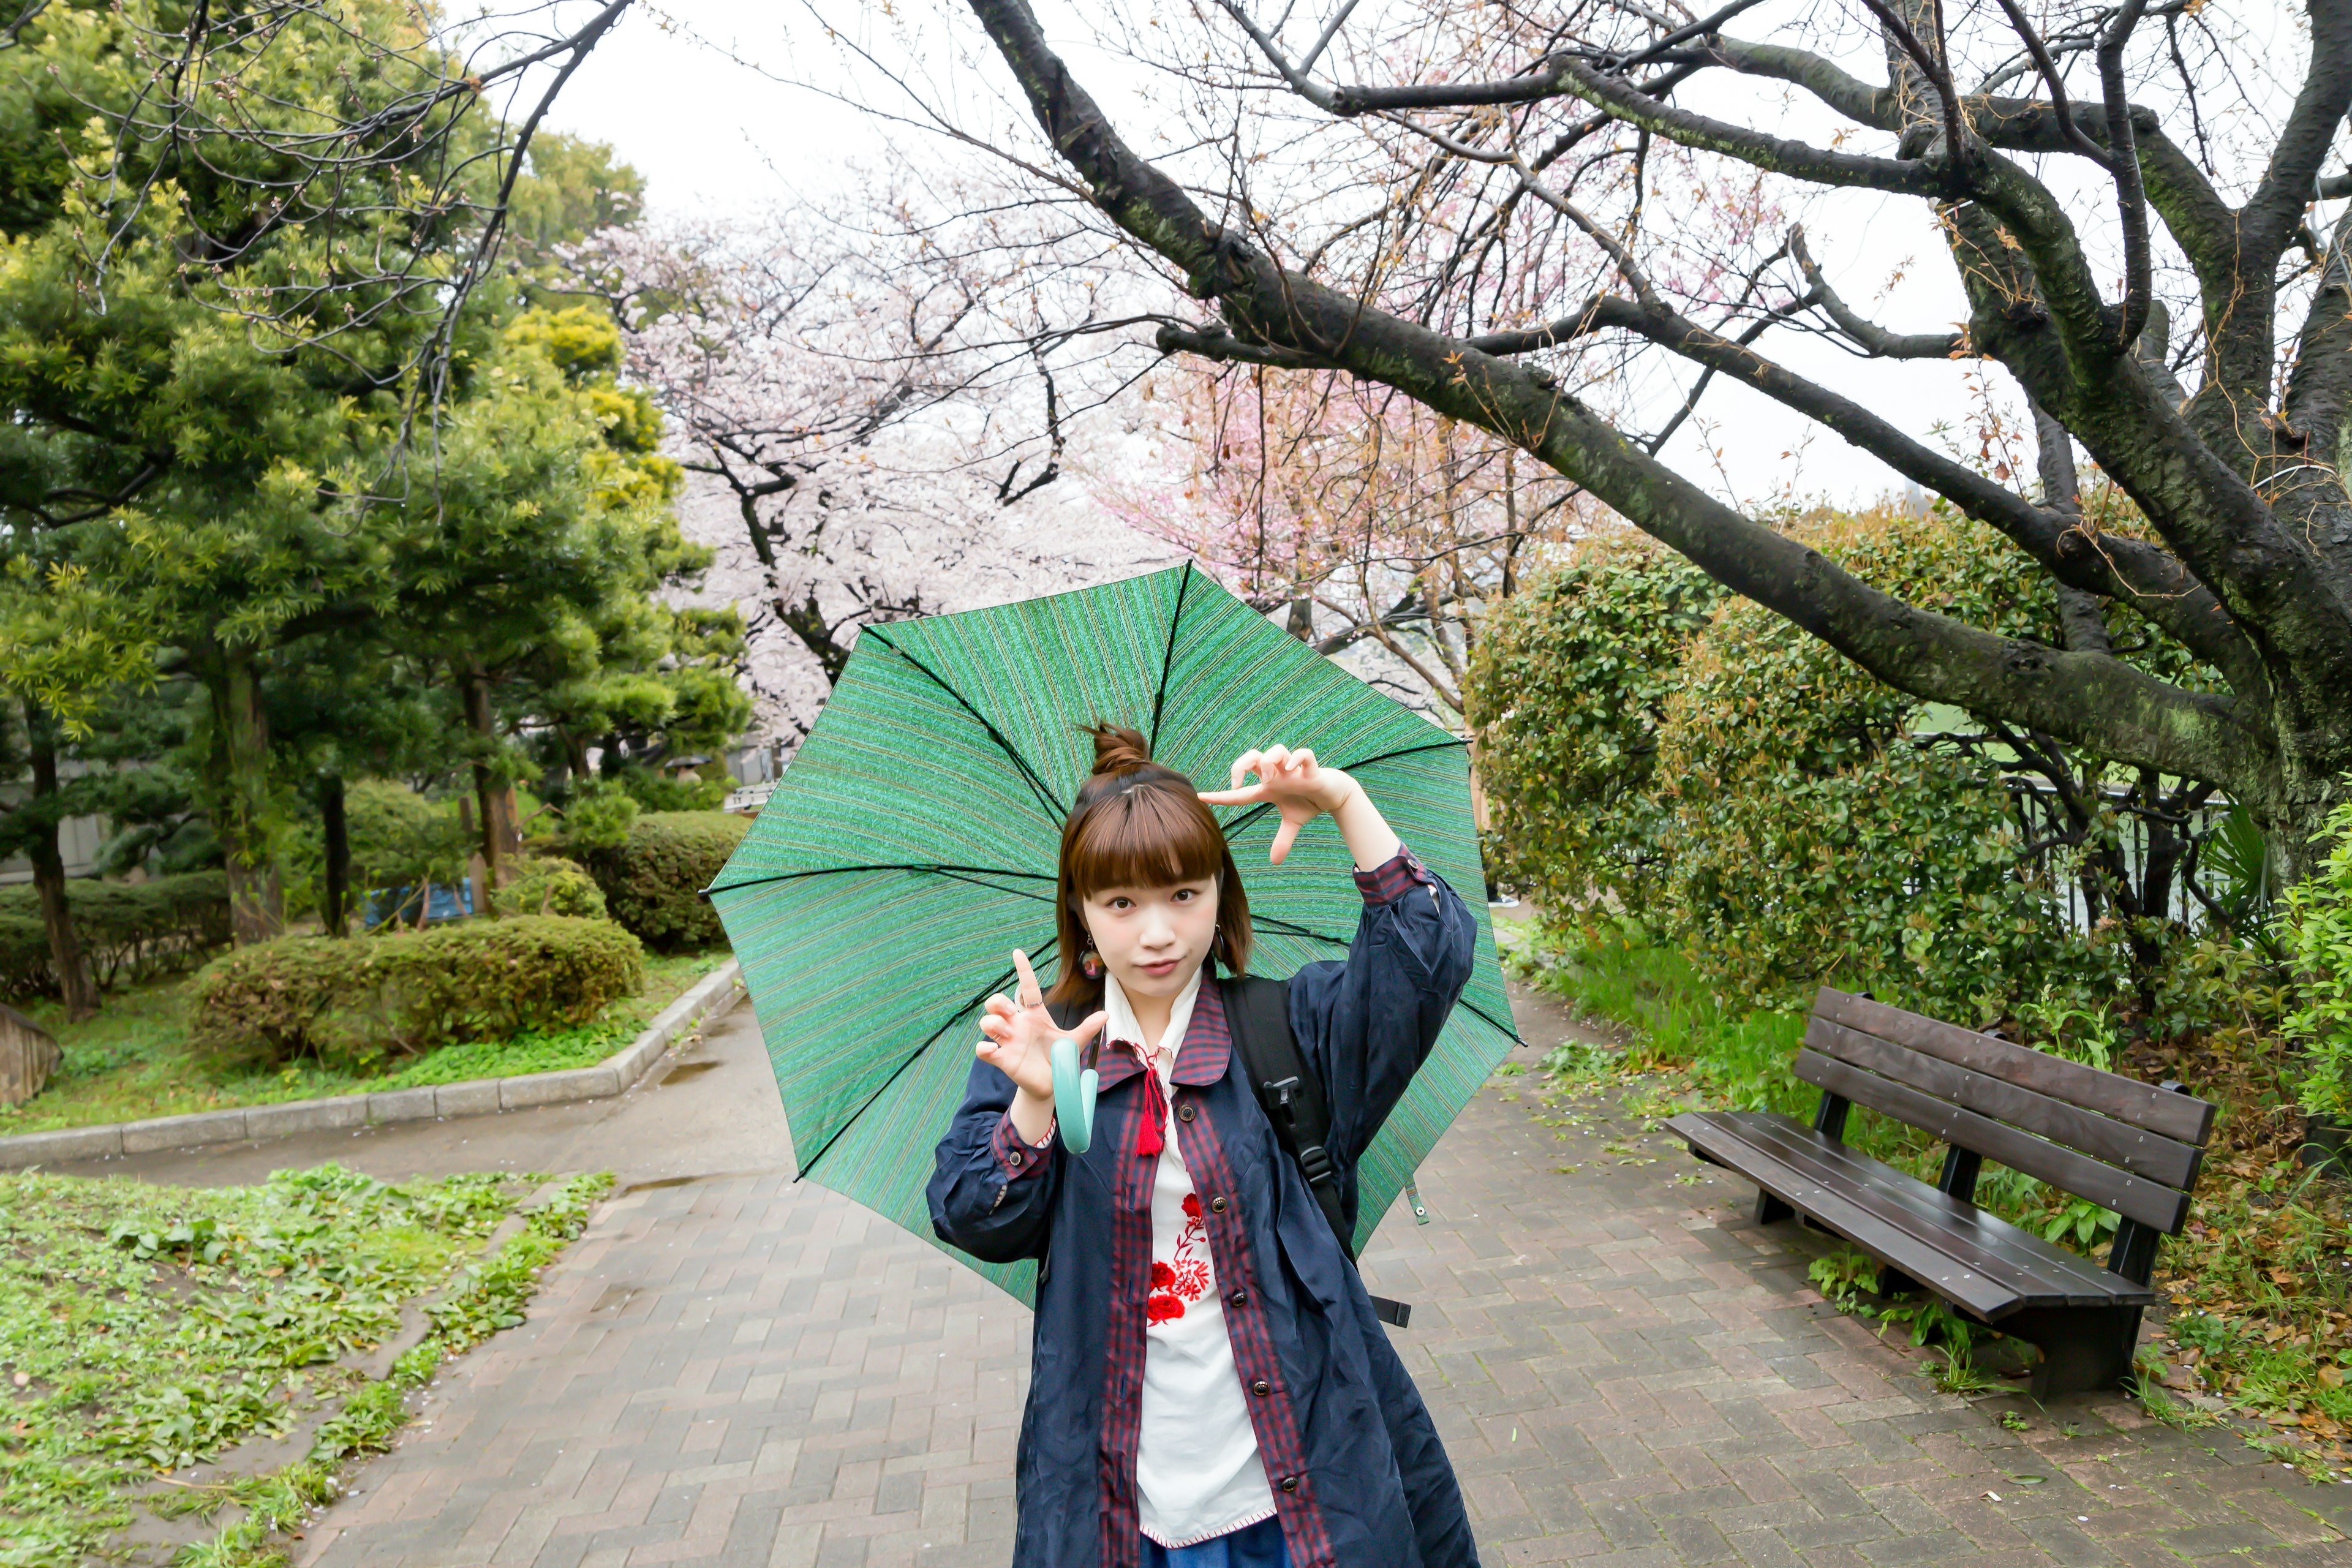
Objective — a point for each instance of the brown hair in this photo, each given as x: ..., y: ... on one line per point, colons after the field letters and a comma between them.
x: 1139, y: 824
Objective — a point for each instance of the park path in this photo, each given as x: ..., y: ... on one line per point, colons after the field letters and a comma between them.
x: 733, y: 1369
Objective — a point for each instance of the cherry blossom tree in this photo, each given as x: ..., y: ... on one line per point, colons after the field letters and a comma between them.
x: 2136, y: 204
x: 877, y: 412
x: 1362, y: 519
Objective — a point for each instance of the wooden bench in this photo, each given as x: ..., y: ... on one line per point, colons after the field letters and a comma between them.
x: 2121, y: 1143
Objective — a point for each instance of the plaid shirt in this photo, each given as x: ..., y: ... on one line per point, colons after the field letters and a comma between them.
x: 1359, y: 1476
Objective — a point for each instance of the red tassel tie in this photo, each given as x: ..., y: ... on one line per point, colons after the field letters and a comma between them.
x: 1148, y: 1140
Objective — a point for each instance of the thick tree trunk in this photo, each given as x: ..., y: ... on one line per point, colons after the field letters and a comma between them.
x: 65, y: 956
x: 334, y: 899
x: 246, y: 816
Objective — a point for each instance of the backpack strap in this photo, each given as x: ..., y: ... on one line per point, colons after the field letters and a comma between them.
x: 1257, y: 1012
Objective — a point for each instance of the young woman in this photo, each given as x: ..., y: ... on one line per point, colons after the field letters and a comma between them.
x: 1209, y: 1386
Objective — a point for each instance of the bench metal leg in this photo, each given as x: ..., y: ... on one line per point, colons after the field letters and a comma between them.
x: 2083, y: 1347
x: 1769, y: 1209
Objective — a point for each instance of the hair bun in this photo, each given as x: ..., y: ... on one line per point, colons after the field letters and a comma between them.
x: 1118, y: 750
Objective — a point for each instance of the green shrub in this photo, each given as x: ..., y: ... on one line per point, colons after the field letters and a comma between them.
x: 1813, y: 839
x: 599, y: 816
x: 551, y: 885
x: 1565, y: 696
x: 353, y: 1004
x: 403, y: 840
x: 2318, y: 930
x: 1651, y: 747
x: 653, y: 883
x: 131, y: 932
x: 655, y: 791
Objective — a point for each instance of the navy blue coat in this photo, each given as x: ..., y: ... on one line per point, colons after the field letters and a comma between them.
x: 1360, y: 1477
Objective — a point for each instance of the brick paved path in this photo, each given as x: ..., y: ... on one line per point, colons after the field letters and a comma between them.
x: 744, y: 1371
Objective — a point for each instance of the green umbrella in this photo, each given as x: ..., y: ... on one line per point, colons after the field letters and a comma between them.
x: 912, y: 845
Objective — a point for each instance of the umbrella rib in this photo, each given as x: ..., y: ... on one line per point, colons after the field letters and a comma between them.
x: 1510, y: 1029
x: 1168, y: 659
x: 1053, y: 808
x: 915, y: 1055
x: 962, y: 873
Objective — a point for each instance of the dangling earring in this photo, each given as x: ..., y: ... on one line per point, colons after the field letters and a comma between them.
x: 1090, y: 963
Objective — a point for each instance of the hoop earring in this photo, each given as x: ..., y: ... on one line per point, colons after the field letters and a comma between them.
x: 1090, y: 964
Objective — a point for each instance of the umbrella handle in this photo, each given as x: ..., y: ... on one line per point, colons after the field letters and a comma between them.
x: 1074, y: 1097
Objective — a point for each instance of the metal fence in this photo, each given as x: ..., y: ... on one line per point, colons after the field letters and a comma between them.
x: 2043, y: 818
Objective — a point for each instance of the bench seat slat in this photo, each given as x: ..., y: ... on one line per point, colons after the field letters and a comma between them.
x: 2150, y: 1203
x: 2037, y: 1269
x: 1985, y: 1265
x: 2181, y: 1117
x: 2142, y: 1152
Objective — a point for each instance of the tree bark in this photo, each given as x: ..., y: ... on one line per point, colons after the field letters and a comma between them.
x: 246, y: 816
x: 75, y: 984
x: 489, y: 796
x: 2280, y: 738
x: 334, y: 899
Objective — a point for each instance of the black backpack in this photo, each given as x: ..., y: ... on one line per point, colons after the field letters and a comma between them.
x: 1258, y: 1014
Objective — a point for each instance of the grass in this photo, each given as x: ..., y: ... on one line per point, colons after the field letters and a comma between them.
x: 133, y: 1061
x: 2257, y: 1317
x: 145, y: 1333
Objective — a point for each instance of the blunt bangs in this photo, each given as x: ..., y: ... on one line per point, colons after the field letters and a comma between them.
x: 1154, y: 834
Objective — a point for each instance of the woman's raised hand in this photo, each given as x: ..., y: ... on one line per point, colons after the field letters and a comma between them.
x: 1020, y: 1033
x: 1297, y: 786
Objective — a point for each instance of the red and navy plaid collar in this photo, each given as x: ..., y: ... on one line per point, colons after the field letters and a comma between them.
x: 1200, y: 1061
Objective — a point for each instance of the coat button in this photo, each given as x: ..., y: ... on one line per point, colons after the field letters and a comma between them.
x: 1261, y: 1388
x: 1290, y: 1483
x: 1239, y: 1298
x: 1184, y: 1112
x: 1216, y: 1205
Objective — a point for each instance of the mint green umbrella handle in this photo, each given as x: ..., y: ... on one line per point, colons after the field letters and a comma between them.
x: 1074, y: 1097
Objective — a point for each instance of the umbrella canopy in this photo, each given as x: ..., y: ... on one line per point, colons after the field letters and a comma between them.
x: 912, y: 846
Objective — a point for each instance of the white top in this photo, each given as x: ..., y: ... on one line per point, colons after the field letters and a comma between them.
x: 1196, y: 1462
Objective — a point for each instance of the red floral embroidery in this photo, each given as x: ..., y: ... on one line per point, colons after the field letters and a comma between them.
x: 1177, y: 1284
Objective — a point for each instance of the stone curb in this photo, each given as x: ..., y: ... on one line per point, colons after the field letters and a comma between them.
x: 710, y: 995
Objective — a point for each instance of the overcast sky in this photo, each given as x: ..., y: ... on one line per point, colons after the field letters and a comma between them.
x: 710, y: 133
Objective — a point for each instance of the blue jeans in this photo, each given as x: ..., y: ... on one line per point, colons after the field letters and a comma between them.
x: 1257, y: 1546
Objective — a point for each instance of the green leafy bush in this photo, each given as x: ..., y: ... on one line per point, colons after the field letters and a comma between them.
x: 2318, y: 929
x: 653, y: 883
x: 551, y: 885
x: 1813, y: 839
x: 1652, y: 747
x: 356, y: 1002
x: 599, y: 816
x: 131, y: 932
x: 403, y: 840
x: 655, y: 791
x: 1567, y: 693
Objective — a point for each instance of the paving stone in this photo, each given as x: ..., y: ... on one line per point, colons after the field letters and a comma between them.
x: 747, y: 1372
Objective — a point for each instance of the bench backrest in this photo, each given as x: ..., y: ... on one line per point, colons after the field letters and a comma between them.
x: 2124, y: 1144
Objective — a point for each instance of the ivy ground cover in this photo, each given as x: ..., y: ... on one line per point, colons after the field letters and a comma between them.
x: 182, y: 1372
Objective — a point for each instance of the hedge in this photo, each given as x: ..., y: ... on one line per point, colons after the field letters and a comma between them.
x: 551, y: 885
x: 129, y: 931
x: 653, y: 883
x: 356, y: 1002
x: 1653, y: 747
